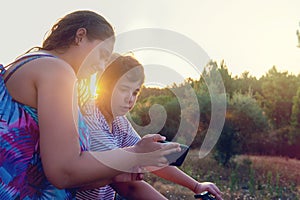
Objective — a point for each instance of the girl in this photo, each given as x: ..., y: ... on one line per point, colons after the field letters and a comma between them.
x: 118, y: 89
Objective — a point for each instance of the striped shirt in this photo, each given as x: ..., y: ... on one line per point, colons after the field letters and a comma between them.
x: 122, y: 135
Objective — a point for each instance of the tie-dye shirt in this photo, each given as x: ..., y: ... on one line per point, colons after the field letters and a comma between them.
x: 21, y: 171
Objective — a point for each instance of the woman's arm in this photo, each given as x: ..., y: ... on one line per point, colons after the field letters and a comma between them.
x: 124, y: 177
x: 64, y: 163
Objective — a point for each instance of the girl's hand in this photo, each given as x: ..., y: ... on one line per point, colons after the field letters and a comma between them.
x: 152, y: 153
x: 210, y: 187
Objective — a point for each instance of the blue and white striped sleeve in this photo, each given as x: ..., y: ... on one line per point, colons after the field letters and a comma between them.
x: 131, y: 137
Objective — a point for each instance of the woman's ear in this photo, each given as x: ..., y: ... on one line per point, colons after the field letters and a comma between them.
x: 80, y: 34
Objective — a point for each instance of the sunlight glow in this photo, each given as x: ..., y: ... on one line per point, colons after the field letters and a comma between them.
x: 93, y: 87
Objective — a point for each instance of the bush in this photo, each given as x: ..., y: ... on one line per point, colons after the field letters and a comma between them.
x: 244, y: 120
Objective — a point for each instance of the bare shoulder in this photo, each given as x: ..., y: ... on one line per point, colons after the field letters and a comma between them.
x: 39, y: 76
x: 53, y: 68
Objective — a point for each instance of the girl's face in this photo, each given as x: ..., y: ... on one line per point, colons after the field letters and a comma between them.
x: 124, y: 96
x: 96, y: 60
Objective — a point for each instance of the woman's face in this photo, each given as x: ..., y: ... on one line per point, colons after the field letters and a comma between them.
x: 96, y: 60
x: 124, y: 96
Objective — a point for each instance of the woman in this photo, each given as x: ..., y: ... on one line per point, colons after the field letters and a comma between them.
x: 118, y: 89
x: 43, y: 142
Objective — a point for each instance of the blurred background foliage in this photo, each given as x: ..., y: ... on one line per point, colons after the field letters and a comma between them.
x: 262, y: 115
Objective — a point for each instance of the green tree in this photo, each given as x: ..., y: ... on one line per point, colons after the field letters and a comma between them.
x: 227, y: 79
x: 247, y: 84
x: 244, y: 121
x: 140, y: 115
x: 295, y: 118
x: 278, y: 90
x: 149, y: 91
x: 210, y: 76
x: 228, y: 144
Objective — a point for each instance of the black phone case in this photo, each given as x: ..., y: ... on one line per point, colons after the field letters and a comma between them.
x: 177, y: 158
x: 204, y: 196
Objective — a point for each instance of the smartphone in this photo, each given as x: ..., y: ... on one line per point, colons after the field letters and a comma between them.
x: 205, y: 196
x: 177, y: 158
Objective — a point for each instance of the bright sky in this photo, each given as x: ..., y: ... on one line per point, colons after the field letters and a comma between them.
x: 249, y: 35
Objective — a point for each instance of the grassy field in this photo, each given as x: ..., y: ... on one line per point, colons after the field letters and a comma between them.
x: 247, y: 177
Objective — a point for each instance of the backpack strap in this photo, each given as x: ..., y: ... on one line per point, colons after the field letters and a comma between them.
x: 25, y: 59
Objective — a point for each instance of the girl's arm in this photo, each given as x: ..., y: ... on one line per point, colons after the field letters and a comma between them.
x: 64, y: 163
x: 177, y: 176
x: 139, y: 190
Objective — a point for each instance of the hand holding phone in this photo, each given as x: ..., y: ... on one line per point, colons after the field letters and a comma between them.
x: 177, y: 158
x: 205, y: 196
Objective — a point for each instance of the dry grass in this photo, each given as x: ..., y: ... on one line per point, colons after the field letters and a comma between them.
x: 248, y: 177
x: 287, y: 168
